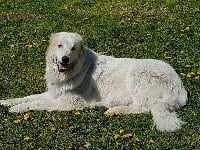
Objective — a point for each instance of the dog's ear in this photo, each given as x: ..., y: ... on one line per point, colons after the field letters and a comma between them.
x: 81, y: 45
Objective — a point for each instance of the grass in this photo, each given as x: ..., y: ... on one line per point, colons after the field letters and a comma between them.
x: 167, y: 30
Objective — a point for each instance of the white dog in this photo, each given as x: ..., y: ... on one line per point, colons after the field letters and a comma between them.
x: 77, y: 77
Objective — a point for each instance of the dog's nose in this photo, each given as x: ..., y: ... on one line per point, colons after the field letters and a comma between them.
x: 65, y: 59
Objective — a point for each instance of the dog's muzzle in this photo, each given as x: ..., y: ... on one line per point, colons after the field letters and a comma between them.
x: 63, y: 66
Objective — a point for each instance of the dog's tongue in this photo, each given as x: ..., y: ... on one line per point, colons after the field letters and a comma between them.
x: 62, y: 67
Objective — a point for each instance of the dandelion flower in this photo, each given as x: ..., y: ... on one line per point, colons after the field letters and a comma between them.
x: 77, y: 113
x: 26, y: 116
x: 4, y: 35
x: 17, y: 121
x: 12, y: 56
x: 101, y: 53
x: 127, y: 136
x: 27, y: 138
x: 190, y: 75
x: 97, y: 119
x: 35, y: 44
x: 12, y: 45
x: 121, y: 131
x: 53, y: 129
x: 29, y: 46
x: 151, y: 141
x: 188, y: 66
x: 182, y: 74
x: 85, y: 19
x: 116, y: 136
x: 53, y: 118
x: 5, y: 120
x: 88, y: 130
x: 182, y: 51
x: 111, y: 114
x: 187, y: 29
x: 71, y: 127
x: 67, y: 6
x: 136, y: 139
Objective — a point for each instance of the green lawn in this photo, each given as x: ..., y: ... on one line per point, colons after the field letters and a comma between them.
x: 163, y: 29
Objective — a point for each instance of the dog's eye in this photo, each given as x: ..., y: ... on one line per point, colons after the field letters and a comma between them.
x: 59, y: 45
x: 73, y: 48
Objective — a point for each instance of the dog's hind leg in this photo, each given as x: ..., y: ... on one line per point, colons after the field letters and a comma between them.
x: 164, y: 117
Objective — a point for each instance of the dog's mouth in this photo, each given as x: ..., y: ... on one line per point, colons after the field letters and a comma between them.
x: 63, y: 67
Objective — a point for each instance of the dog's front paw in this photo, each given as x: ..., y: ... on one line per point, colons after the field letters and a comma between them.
x: 5, y: 103
x: 11, y: 102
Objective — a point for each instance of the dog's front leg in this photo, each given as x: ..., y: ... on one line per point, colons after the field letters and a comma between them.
x: 47, y: 104
x: 16, y: 101
x: 40, y: 104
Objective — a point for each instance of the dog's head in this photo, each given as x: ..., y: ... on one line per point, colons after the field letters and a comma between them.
x: 64, y: 53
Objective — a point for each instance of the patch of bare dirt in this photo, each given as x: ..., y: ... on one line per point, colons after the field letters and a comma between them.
x: 144, y: 12
x: 25, y: 16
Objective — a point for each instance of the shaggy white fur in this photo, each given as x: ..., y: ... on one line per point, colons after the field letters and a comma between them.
x: 77, y: 77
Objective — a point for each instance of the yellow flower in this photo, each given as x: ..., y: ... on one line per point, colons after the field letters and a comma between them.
x: 29, y: 46
x: 67, y: 6
x: 168, y: 57
x: 121, y: 131
x: 127, y: 136
x: 88, y: 130
x: 182, y: 74
x: 12, y: 56
x: 101, y: 53
x: 35, y: 44
x: 151, y: 141
x: 197, y: 77
x: 20, y: 34
x: 85, y: 19
x: 190, y: 75
x: 4, y: 35
x: 188, y: 66
x: 17, y: 121
x: 53, y: 118
x: 97, y: 119
x: 136, y: 139
x: 71, y: 127
x: 198, y: 72
x: 27, y: 138
x: 77, y: 113
x: 116, y: 136
x: 12, y: 45
x: 5, y: 120
x: 111, y: 114
x: 53, y: 129
x: 182, y: 51
x: 26, y: 116
x: 187, y: 29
